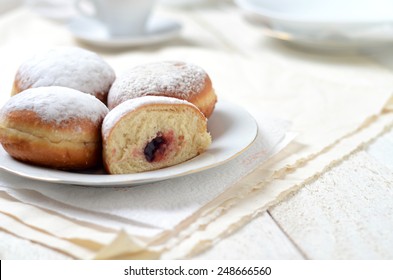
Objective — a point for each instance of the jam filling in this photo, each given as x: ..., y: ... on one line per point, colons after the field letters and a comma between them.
x: 161, y: 146
x: 155, y: 149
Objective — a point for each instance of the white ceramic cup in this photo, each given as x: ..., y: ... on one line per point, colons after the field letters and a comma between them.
x: 123, y: 18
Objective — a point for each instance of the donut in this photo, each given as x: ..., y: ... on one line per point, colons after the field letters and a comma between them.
x: 55, y: 127
x: 152, y: 132
x: 71, y: 67
x: 167, y: 78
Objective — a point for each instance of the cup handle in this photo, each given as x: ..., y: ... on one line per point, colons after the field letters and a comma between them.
x: 78, y: 4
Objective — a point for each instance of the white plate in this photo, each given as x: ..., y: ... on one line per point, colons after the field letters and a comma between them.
x: 319, y: 22
x: 232, y: 128
x: 91, y: 31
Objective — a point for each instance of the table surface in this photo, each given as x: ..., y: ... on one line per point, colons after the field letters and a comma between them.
x: 347, y: 213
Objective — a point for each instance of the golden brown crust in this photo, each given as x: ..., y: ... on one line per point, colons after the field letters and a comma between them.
x: 62, y: 155
x: 15, y: 87
x: 206, y: 99
x: 75, y: 144
x: 76, y: 129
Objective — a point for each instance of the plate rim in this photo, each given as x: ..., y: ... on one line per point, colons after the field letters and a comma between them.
x: 114, y: 180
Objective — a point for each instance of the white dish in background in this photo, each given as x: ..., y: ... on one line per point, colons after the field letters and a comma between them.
x: 226, y: 125
x: 184, y: 3
x: 93, y: 32
x: 334, y: 23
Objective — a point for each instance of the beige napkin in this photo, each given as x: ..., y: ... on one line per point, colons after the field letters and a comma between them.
x: 328, y: 98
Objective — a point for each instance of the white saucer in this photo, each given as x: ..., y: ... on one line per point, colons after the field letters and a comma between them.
x: 91, y: 31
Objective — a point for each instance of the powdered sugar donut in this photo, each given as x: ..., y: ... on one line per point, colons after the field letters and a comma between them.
x: 167, y: 78
x: 71, y: 67
x: 152, y: 132
x: 53, y: 126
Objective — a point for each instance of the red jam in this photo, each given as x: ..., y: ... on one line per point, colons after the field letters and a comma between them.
x: 156, y: 149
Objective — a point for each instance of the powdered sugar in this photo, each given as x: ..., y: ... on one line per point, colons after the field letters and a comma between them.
x: 57, y: 104
x: 69, y: 67
x: 179, y: 79
x: 132, y: 104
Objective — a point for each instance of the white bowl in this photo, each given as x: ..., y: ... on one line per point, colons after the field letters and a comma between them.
x: 343, y: 21
x: 314, y: 15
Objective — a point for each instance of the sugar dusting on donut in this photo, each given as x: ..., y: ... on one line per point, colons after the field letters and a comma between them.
x: 179, y: 79
x: 57, y: 104
x: 133, y: 104
x: 69, y: 67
